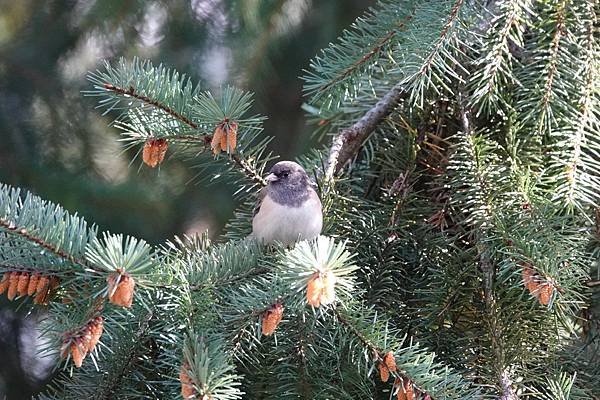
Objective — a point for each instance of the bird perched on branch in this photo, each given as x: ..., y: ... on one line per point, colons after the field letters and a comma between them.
x: 288, y: 209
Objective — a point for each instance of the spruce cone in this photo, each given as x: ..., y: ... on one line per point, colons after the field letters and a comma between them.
x: 216, y: 143
x: 122, y: 294
x: 13, y: 285
x: 384, y: 372
x: 545, y: 291
x: 5, y: 282
x: 390, y: 361
x: 232, y: 136
x: 321, y: 289
x: 42, y: 284
x: 271, y: 318
x: 96, y: 329
x: 77, y: 352
x: 314, y: 290
x: 154, y: 151
x: 33, y: 281
x: 23, y: 284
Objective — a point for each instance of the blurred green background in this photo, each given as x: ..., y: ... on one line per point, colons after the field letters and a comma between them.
x: 54, y: 143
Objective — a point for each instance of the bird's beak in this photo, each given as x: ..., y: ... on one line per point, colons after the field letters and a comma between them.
x: 271, y: 178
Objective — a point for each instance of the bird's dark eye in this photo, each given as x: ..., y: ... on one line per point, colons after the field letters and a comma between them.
x: 285, y: 174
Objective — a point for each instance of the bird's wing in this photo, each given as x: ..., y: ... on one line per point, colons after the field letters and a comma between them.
x: 259, y: 199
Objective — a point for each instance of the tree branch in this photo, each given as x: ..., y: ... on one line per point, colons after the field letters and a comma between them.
x: 240, y: 162
x: 114, y: 384
x: 379, y: 353
x: 349, y: 140
x: 53, y: 249
x: 145, y: 99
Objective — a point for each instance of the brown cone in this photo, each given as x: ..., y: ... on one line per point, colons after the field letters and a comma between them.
x: 154, y: 151
x: 23, y: 284
x: 390, y: 361
x: 271, y: 319
x: 13, y: 284
x: 96, y: 329
x: 5, y: 282
x: 545, y: 292
x: 314, y: 289
x: 187, y: 386
x: 384, y: 372
x: 42, y: 284
x: 123, y: 294
x: 232, y: 136
x: 77, y: 353
x: 33, y: 281
x: 215, y: 144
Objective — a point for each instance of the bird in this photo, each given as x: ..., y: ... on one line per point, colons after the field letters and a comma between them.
x: 288, y: 208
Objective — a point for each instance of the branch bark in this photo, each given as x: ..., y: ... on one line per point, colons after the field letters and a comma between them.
x: 348, y: 141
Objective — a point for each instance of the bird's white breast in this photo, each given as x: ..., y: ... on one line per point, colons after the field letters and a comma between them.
x: 285, y: 224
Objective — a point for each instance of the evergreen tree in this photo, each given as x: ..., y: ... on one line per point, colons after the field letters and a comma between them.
x: 461, y: 242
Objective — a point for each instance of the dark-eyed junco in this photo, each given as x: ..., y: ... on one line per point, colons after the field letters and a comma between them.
x: 288, y: 209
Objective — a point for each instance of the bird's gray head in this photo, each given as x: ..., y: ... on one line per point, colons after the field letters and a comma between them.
x: 288, y: 183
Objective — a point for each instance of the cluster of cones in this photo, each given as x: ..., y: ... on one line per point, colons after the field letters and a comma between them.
x: 321, y: 289
x: 540, y: 287
x: 120, y: 289
x: 36, y: 285
x: 405, y: 390
x: 154, y: 151
x: 225, y: 137
x: 403, y: 387
x: 82, y: 341
x: 271, y: 318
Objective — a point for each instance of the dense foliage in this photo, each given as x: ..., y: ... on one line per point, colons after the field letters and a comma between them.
x: 462, y: 225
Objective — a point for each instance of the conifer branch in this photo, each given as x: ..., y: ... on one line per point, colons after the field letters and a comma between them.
x: 253, y: 272
x: 145, y: 99
x: 348, y: 141
x: 25, y: 268
x: 375, y: 50
x: 241, y: 163
x: 358, y: 63
x: 445, y: 30
x: 507, y: 391
x: 377, y: 352
x: 22, y: 232
x: 554, y: 53
x: 111, y: 389
x: 248, y: 170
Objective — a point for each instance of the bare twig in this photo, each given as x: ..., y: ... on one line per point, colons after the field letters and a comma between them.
x: 508, y: 392
x: 348, y: 141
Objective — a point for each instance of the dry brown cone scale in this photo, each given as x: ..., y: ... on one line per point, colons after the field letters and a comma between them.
x: 120, y: 289
x: 321, y: 289
x: 224, y: 137
x: 540, y: 287
x: 154, y: 151
x: 271, y: 319
x: 405, y: 389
